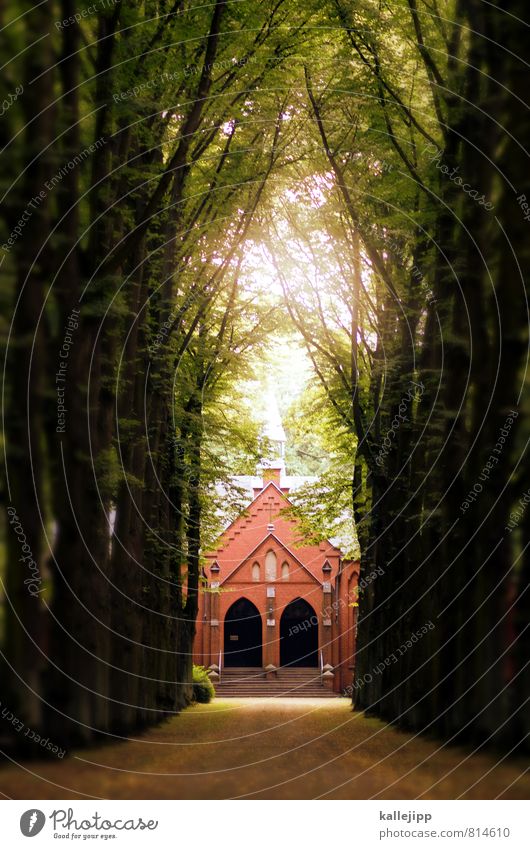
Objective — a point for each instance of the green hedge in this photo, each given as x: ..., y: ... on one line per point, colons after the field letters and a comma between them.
x: 203, y: 689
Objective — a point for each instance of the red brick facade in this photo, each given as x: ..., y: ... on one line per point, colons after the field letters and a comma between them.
x: 269, y: 598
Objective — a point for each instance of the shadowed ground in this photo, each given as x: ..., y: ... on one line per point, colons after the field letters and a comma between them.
x: 271, y: 749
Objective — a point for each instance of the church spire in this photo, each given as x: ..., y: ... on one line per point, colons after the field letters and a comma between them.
x: 273, y: 463
x: 273, y: 430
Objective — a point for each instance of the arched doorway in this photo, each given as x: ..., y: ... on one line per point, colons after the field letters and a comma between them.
x: 243, y: 634
x: 299, y: 635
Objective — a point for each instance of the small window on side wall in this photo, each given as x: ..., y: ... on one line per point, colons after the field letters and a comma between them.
x: 255, y: 572
x: 285, y: 571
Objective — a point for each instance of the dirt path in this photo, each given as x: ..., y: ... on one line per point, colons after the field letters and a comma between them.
x: 271, y: 749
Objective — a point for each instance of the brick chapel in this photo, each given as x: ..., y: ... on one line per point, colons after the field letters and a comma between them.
x: 271, y: 601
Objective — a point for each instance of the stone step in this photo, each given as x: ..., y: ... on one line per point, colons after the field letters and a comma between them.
x: 288, y: 682
x: 256, y: 679
x: 324, y: 694
x: 268, y: 694
x: 299, y: 672
x: 279, y: 685
x: 278, y: 682
x: 280, y: 669
x: 282, y: 685
x: 238, y: 692
x: 271, y: 687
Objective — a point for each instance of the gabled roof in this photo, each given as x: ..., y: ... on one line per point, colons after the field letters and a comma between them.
x: 246, y: 509
x: 213, y: 553
x: 282, y: 545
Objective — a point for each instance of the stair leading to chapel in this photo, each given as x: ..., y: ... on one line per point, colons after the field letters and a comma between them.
x: 250, y: 682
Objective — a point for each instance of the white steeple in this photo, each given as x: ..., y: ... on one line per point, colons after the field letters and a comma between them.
x: 274, y: 433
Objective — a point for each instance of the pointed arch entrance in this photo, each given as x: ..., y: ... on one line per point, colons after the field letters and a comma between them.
x: 243, y: 634
x: 299, y: 635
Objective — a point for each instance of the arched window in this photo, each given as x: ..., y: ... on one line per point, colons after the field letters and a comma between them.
x: 255, y: 572
x: 285, y: 571
x: 270, y: 566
